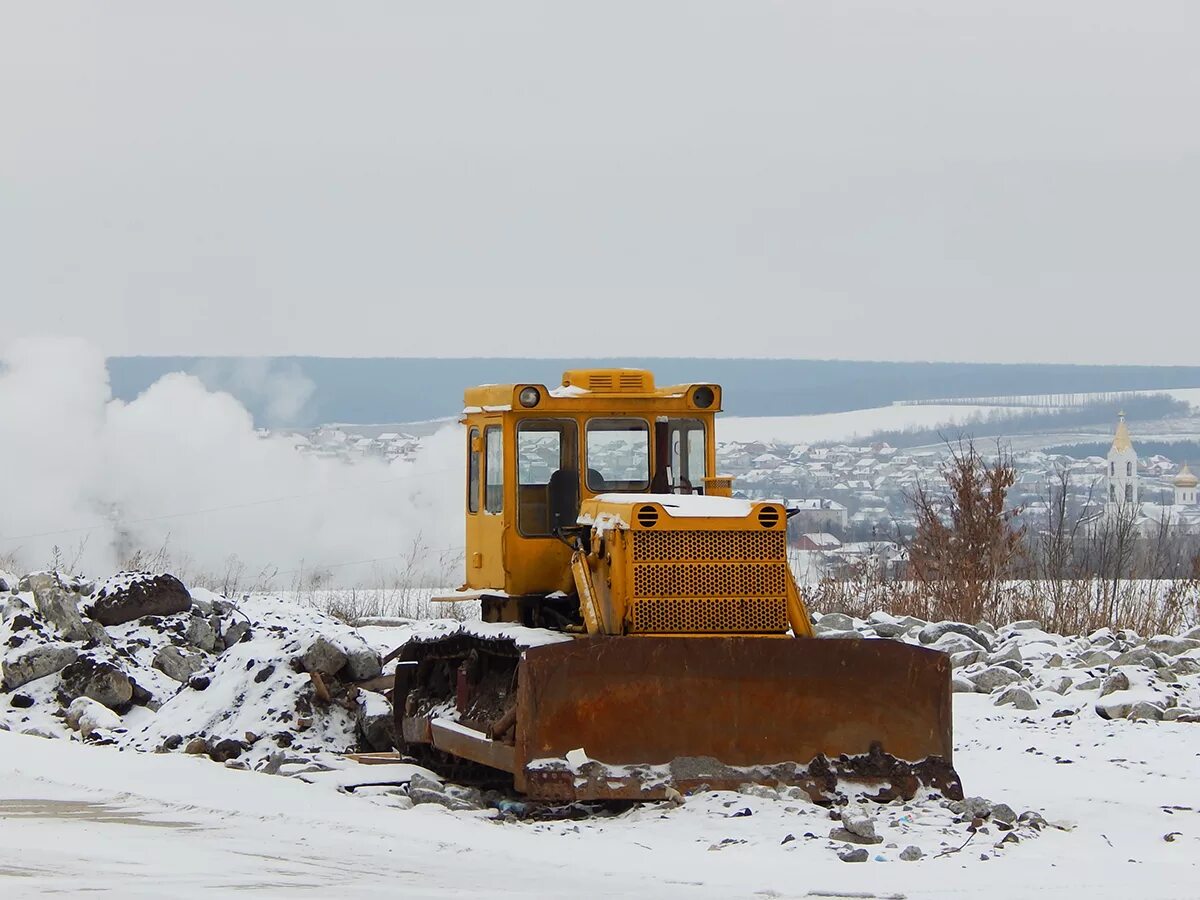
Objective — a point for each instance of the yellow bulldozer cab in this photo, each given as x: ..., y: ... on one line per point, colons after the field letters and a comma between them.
x: 536, y: 454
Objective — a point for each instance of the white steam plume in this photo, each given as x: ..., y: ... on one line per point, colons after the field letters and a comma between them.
x: 183, y: 465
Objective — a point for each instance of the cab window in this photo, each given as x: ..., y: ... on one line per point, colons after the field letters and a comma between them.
x: 618, y: 455
x: 473, y: 471
x: 688, y: 455
x: 493, y: 463
x: 547, y: 454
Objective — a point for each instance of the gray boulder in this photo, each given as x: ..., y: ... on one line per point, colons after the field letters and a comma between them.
x: 1002, y: 812
x: 994, y: 677
x: 28, y: 664
x: 858, y: 854
x: 967, y: 658
x: 1011, y: 653
x: 1094, y: 658
x: 86, y: 716
x: 953, y: 642
x: 362, y: 663
x: 930, y: 633
x: 424, y: 795
x: 858, y: 821
x: 1186, y: 665
x: 836, y: 622
x: 1025, y: 625
x: 1140, y: 656
x: 1171, y: 646
x: 1181, y: 714
x: 374, y: 722
x: 179, y: 665
x: 1018, y: 697
x: 201, y: 634
x: 59, y: 607
x: 130, y: 595
x: 1144, y: 709
x: 100, y: 680
x: 323, y: 656
x: 237, y: 630
x: 960, y: 684
x: 1116, y: 681
x: 911, y: 853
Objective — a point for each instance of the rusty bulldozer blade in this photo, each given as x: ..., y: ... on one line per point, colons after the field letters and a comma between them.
x: 654, y: 714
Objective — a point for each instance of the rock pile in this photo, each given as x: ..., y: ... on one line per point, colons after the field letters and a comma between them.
x: 1118, y: 674
x: 142, y: 662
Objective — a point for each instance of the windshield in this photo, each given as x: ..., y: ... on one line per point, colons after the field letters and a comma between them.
x: 618, y: 455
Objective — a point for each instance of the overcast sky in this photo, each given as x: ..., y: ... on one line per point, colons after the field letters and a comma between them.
x: 949, y: 179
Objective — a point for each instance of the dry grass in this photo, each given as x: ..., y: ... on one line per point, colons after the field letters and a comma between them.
x: 1149, y: 607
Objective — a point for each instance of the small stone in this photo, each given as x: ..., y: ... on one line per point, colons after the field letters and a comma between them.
x: 1060, y: 684
x: 858, y: 821
x: 858, y: 854
x: 227, y: 749
x: 197, y: 745
x: 1002, y: 812
x: 1032, y: 819
x: 911, y: 853
x: 759, y: 790
x: 20, y: 701
x: 199, y: 682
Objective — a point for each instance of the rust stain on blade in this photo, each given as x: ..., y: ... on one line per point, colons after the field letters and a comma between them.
x: 742, y: 701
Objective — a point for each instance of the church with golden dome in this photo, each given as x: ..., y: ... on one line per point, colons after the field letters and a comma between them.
x: 1123, y: 490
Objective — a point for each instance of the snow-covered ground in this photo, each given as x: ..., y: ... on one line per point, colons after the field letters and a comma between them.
x: 76, y: 818
x: 1085, y: 750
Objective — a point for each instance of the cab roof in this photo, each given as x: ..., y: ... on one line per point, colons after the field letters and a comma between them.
x: 593, y: 389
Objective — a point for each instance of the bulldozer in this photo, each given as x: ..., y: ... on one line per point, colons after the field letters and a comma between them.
x: 641, y: 633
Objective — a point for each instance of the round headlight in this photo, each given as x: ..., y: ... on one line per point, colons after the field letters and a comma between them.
x: 529, y: 396
x: 703, y: 396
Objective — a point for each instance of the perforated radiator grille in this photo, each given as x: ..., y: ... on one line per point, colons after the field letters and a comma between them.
x: 709, y: 579
x: 710, y: 615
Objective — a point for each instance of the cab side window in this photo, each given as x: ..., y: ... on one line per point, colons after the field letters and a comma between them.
x: 493, y: 457
x: 473, y: 471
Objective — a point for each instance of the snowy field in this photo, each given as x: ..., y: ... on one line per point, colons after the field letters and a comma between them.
x: 843, y: 426
x: 227, y: 772
x: 81, y: 818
